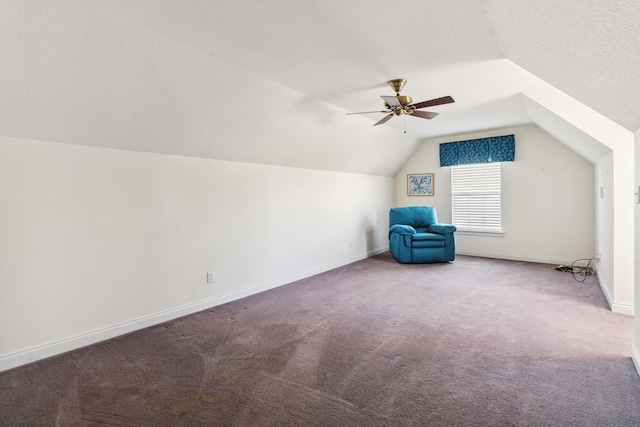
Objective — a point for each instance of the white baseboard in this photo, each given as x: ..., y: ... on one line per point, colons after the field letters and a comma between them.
x: 627, y: 309
x: 635, y: 356
x: 512, y: 257
x: 33, y: 354
x: 605, y: 291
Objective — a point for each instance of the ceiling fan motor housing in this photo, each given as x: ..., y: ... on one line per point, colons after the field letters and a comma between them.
x: 404, y: 100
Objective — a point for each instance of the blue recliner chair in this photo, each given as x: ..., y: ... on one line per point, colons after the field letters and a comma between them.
x: 415, y: 237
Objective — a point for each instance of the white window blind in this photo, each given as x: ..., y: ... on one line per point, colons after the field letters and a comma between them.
x: 476, y: 197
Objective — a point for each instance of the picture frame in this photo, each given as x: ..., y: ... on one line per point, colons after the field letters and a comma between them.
x: 420, y: 184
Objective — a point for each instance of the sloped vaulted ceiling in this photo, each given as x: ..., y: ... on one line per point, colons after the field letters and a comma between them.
x: 590, y: 49
x: 270, y: 82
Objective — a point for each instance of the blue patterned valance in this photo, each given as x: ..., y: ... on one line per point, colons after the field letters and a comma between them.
x: 483, y: 150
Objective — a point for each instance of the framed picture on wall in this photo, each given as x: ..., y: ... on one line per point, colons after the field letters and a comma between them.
x: 420, y: 184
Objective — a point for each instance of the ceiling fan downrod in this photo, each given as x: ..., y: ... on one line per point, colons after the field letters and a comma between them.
x: 397, y: 85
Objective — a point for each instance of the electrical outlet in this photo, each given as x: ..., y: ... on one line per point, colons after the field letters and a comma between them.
x: 210, y: 277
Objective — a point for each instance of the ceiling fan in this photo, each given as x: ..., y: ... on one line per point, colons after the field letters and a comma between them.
x: 402, y: 104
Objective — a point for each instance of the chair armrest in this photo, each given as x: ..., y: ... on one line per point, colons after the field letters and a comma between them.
x: 402, y: 229
x: 442, y: 228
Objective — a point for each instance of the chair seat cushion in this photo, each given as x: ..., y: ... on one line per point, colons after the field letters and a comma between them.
x: 427, y: 240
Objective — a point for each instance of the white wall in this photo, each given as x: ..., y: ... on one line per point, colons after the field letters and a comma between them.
x: 610, y: 147
x: 95, y: 242
x: 635, y: 350
x: 605, y: 224
x: 548, y: 200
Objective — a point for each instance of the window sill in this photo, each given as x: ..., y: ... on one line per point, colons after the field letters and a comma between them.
x: 482, y: 233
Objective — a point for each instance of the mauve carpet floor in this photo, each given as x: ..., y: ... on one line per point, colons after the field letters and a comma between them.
x: 476, y: 342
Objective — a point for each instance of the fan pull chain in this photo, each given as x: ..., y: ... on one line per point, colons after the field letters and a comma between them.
x: 405, y: 123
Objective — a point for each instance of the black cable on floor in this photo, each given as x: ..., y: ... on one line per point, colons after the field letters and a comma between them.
x: 579, y: 272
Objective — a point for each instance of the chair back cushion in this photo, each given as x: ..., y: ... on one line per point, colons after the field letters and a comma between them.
x: 415, y: 216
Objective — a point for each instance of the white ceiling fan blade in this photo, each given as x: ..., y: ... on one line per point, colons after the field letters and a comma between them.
x: 369, y: 112
x: 391, y: 101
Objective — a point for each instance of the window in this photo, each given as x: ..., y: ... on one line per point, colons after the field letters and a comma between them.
x: 476, y: 197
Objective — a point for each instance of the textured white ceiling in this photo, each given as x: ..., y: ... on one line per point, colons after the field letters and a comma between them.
x: 323, y: 48
x: 344, y: 52
x: 590, y: 49
x: 270, y: 82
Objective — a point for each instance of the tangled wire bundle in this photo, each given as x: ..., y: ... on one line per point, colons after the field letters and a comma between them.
x: 579, y: 269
